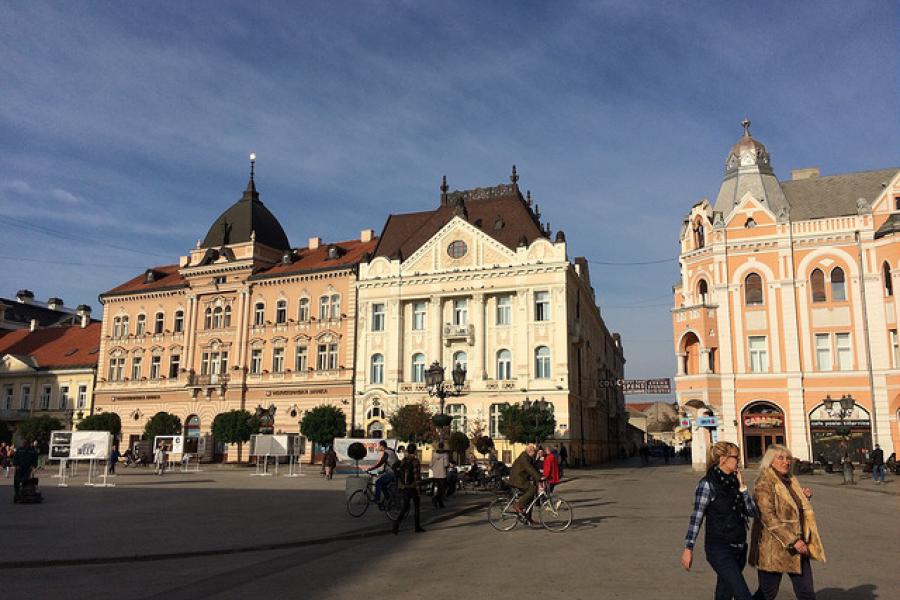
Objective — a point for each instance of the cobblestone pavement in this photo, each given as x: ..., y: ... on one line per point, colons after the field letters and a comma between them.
x: 229, y: 535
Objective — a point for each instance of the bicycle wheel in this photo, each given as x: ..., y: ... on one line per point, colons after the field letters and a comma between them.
x: 357, y: 503
x: 393, y: 504
x: 555, y: 514
x: 499, y: 517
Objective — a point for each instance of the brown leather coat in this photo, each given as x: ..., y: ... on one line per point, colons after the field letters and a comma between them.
x: 777, y: 527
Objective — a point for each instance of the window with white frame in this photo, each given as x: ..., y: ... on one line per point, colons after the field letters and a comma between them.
x: 208, y: 318
x: 178, y: 324
x: 418, y: 315
x: 378, y: 316
x: 418, y: 367
x: 174, y: 366
x: 332, y: 356
x: 159, y: 323
x: 278, y: 360
x: 136, y: 367
x: 301, y: 358
x: 335, y: 306
x: 838, y: 285
x: 542, y: 362
x: 281, y: 311
x: 227, y: 319
x: 256, y: 361
x: 895, y: 348
x: 217, y: 318
x: 504, y: 310
x: 759, y: 359
x: 8, y: 395
x: 460, y: 358
x: 504, y: 365
x: 46, y: 390
x: 140, y: 326
x: 63, y: 397
x: 82, y: 396
x: 155, y: 362
x: 376, y: 372
x: 322, y: 357
x: 460, y: 311
x: 116, y: 368
x: 458, y: 413
x: 259, y: 314
x: 542, y: 306
x: 26, y: 397
x: 324, y: 308
x: 843, y: 351
x: 495, y: 420
x: 303, y: 310
x: 823, y: 351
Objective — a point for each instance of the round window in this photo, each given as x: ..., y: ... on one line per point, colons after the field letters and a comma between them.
x: 457, y: 249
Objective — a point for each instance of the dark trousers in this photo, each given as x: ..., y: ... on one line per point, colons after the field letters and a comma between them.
x: 440, y: 488
x: 527, y: 495
x: 803, y: 583
x: 409, y: 496
x: 728, y: 562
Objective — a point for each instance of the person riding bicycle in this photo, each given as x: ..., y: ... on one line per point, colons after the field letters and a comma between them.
x: 387, y: 462
x: 525, y: 477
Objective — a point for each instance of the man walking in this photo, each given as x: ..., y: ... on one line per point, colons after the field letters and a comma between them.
x: 113, y: 459
x: 408, y: 475
x: 563, y: 456
x: 160, y: 459
x: 440, y: 462
x: 878, y: 465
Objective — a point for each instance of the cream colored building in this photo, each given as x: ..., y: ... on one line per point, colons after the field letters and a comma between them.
x: 786, y: 304
x: 478, y: 281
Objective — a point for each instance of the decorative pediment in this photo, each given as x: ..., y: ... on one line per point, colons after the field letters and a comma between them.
x: 458, y: 244
x: 749, y: 213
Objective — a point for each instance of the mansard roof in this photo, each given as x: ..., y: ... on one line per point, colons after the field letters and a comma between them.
x: 500, y: 211
x: 247, y: 220
x: 835, y: 195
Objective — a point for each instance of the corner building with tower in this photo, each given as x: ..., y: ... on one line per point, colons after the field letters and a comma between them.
x: 785, y: 318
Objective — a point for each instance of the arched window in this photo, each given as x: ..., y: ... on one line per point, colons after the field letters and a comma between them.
x: 376, y: 373
x: 703, y: 292
x: 504, y: 364
x: 888, y: 283
x: 418, y: 368
x: 207, y: 318
x: 753, y: 292
x: 460, y: 358
x: 217, y: 317
x: 335, y: 306
x: 259, y: 314
x: 281, y: 311
x: 159, y: 323
x: 324, y: 312
x: 542, y: 362
x: 140, y: 326
x: 817, y: 285
x: 303, y: 311
x: 691, y: 354
x: 374, y: 413
x: 178, y: 325
x: 838, y: 287
x: 699, y: 234
x: 227, y: 320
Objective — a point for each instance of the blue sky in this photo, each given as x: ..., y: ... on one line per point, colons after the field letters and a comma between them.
x: 126, y: 125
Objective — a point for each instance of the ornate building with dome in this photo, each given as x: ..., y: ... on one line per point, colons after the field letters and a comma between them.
x: 244, y: 320
x: 785, y: 319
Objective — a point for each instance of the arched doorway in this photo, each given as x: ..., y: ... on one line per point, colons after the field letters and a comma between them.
x: 763, y: 424
x: 191, y: 433
x: 831, y: 436
x: 375, y: 430
x: 690, y: 347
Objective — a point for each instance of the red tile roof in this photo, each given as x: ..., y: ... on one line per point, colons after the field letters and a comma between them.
x: 641, y: 406
x: 164, y: 278
x: 55, y: 347
x: 500, y: 212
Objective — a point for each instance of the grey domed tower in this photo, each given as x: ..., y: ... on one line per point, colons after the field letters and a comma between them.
x: 748, y: 168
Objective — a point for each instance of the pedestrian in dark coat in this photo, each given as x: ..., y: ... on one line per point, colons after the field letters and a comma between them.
x: 409, y: 473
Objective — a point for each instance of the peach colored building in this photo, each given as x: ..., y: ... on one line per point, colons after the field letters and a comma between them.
x: 245, y: 320
x: 786, y: 302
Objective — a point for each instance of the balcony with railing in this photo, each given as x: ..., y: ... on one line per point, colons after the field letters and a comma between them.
x: 454, y: 332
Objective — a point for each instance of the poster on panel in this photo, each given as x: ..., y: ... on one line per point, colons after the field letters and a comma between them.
x: 372, y: 448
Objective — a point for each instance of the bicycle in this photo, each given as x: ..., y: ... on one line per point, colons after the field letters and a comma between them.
x: 555, y: 514
x: 391, y: 502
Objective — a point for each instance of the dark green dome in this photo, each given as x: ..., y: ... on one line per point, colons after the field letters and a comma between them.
x: 242, y: 219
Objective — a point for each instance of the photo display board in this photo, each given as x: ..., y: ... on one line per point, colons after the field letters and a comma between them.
x: 79, y: 445
x: 269, y: 445
x: 373, y: 453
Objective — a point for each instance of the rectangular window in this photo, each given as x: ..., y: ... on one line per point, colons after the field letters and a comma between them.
x: 63, y: 397
x: 418, y: 316
x: 759, y: 359
x: 204, y: 363
x: 278, y: 360
x: 223, y: 363
x: 495, y: 420
x: 256, y: 361
x: 141, y: 325
x: 332, y: 356
x: 458, y: 413
x: 281, y: 312
x: 844, y: 352
x: 542, y: 306
x: 895, y: 348
x: 378, y: 316
x: 174, y: 366
x: 46, y: 390
x: 26, y: 397
x: 504, y: 310
x: 159, y: 323
x: 322, y: 357
x: 303, y: 312
x: 155, y: 362
x: 300, y: 360
x: 8, y: 394
x: 116, y: 368
x: 135, y: 368
x: 259, y: 314
x: 823, y: 351
x: 324, y: 308
x: 178, y: 326
x: 82, y: 396
x: 460, y: 312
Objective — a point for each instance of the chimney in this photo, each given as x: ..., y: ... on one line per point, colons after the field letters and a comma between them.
x: 314, y: 242
x: 808, y: 173
x: 33, y: 324
x: 55, y: 303
x: 84, y: 311
x: 25, y: 296
x: 366, y: 235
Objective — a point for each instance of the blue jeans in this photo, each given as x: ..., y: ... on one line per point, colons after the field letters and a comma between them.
x: 385, y: 480
x: 728, y: 561
x: 878, y: 472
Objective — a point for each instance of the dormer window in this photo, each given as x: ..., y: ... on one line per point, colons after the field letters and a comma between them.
x: 749, y: 223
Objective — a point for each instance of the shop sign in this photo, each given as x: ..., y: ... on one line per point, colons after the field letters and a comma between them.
x: 646, y: 386
x: 707, y: 421
x: 832, y: 423
x: 299, y: 392
x: 764, y: 420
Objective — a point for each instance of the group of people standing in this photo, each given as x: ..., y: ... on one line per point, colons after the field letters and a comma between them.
x: 784, y: 537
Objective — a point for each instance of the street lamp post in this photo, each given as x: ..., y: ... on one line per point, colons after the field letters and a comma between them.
x: 846, y: 409
x: 434, y: 383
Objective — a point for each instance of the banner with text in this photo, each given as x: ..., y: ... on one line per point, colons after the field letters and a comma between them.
x: 646, y: 386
